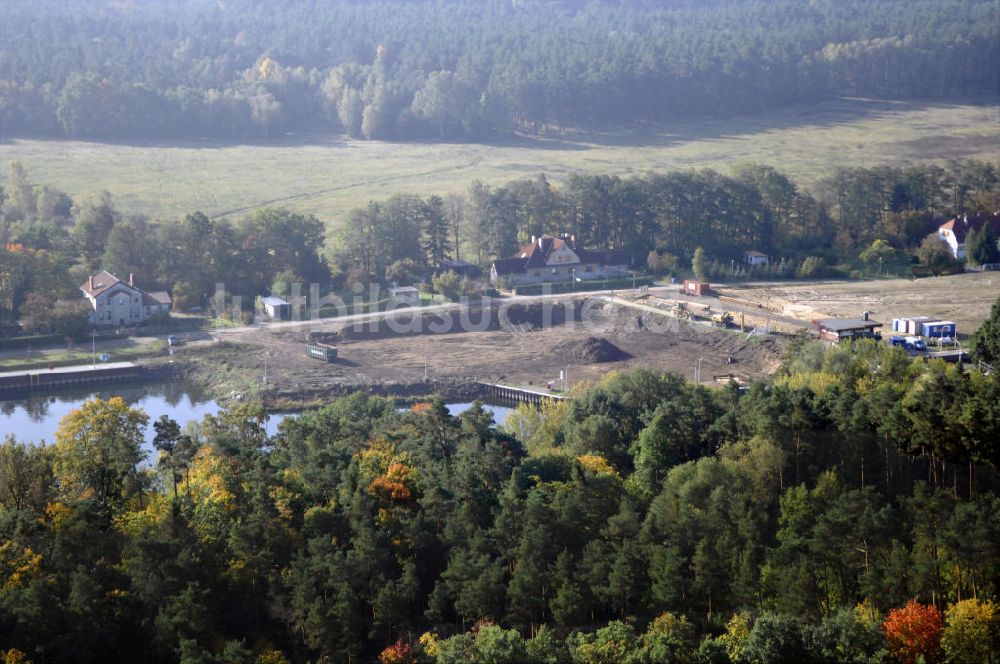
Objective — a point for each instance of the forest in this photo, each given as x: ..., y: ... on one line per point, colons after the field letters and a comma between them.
x: 468, y: 69
x: 845, y: 510
x: 50, y: 243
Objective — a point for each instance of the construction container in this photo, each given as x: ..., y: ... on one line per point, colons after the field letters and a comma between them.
x: 322, y: 352
x: 939, y: 329
x: 695, y: 287
x: 912, y: 325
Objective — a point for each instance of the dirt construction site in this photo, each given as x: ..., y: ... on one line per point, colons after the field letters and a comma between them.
x: 524, y: 345
x: 963, y: 298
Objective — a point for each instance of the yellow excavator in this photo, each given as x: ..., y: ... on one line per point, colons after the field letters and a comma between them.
x: 722, y: 318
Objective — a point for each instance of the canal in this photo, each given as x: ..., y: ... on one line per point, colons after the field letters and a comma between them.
x: 36, y: 419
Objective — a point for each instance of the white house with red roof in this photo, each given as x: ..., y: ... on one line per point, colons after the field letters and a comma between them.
x: 548, y: 259
x: 954, y: 231
x: 116, y: 303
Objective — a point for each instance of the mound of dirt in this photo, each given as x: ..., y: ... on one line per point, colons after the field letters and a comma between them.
x: 593, y: 350
x: 331, y: 338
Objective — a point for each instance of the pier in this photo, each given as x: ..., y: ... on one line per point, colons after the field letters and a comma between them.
x: 17, y: 383
x: 506, y: 394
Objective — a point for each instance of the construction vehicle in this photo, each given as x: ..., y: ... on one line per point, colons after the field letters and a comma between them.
x: 722, y: 318
x: 681, y: 311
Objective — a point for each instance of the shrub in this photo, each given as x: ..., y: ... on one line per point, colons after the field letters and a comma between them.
x: 813, y: 267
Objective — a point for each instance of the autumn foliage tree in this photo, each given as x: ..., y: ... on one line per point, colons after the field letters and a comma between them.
x: 972, y: 633
x: 914, y: 631
x: 97, y: 449
x: 400, y: 652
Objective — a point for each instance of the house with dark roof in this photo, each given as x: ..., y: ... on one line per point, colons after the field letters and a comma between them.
x: 838, y: 329
x: 550, y: 259
x: 954, y: 231
x: 118, y: 303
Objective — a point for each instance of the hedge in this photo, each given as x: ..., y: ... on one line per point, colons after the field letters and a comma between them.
x: 569, y: 286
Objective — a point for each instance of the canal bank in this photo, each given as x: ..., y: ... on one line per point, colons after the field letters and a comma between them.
x: 44, y: 381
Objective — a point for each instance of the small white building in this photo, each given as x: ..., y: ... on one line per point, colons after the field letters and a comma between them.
x: 277, y: 308
x: 405, y: 295
x: 117, y: 303
x: 755, y: 258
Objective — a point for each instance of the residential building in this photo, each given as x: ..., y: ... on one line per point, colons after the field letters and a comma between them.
x: 118, y: 303
x: 551, y: 259
x: 755, y: 258
x: 954, y: 231
x: 838, y: 329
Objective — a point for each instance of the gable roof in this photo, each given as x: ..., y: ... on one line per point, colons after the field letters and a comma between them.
x: 960, y: 226
x: 503, y: 266
x: 159, y: 297
x: 101, y: 282
x: 536, y: 254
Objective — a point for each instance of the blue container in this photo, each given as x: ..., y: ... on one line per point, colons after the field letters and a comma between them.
x: 939, y: 329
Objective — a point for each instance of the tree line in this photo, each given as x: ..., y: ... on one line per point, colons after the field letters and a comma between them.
x: 50, y: 243
x: 845, y: 510
x: 450, y: 69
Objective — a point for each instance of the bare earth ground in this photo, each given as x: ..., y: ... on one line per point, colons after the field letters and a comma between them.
x: 395, y: 364
x: 963, y: 298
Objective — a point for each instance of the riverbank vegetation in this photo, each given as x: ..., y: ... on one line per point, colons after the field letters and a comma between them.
x: 468, y: 69
x: 846, y: 510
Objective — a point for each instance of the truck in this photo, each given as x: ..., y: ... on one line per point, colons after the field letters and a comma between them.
x: 320, y: 351
x: 909, y: 343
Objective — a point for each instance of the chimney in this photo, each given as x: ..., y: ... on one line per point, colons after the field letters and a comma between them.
x: 131, y: 279
x: 965, y: 218
x: 539, y: 243
x: 91, y: 284
x: 864, y: 316
x: 572, y: 239
x: 533, y: 239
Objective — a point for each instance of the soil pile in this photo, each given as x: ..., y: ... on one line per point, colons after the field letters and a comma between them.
x: 593, y: 350
x: 329, y: 338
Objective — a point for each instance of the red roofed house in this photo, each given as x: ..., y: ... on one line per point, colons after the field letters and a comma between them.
x: 548, y: 259
x: 954, y: 231
x: 117, y: 303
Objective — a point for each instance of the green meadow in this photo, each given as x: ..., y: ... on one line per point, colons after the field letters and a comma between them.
x: 329, y: 175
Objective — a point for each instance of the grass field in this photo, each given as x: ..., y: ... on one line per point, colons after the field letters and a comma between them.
x: 329, y: 175
x: 80, y: 354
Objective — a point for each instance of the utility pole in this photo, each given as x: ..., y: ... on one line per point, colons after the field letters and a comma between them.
x: 265, y: 370
x: 93, y: 348
x: 697, y: 370
x: 425, y: 368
